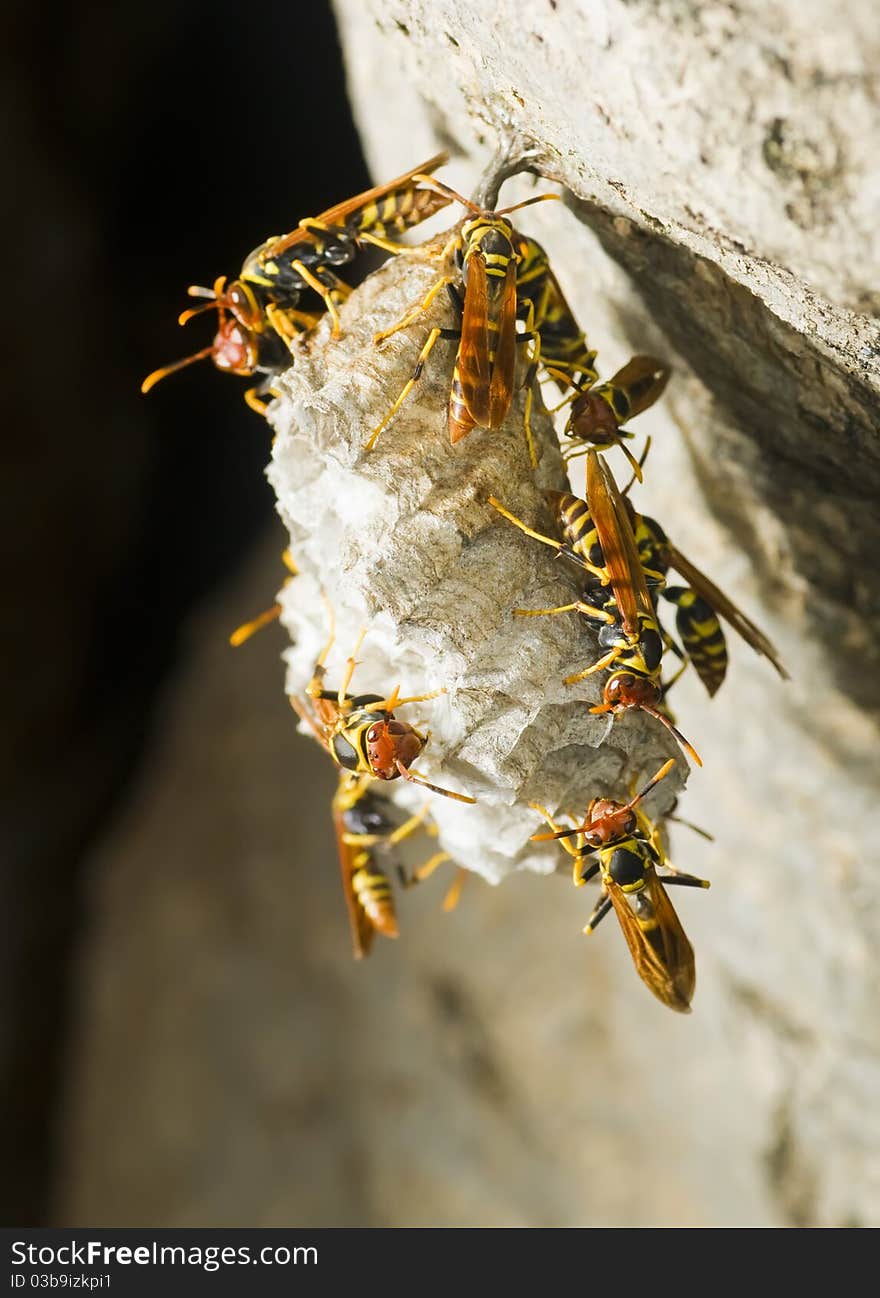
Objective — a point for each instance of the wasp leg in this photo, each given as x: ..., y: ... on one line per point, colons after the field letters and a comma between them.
x: 558, y: 546
x: 252, y: 399
x: 425, y: 871
x: 605, y: 661
x: 602, y: 908
x: 413, y: 380
x: 686, y: 880
x: 395, y: 701
x: 601, y: 614
x: 350, y: 664
x: 322, y: 290
x: 414, y: 311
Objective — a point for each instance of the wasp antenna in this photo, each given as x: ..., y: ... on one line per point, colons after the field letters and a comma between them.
x: 529, y: 202
x: 186, y: 316
x: 661, y: 774
x: 686, y: 745
x: 152, y: 379
x: 199, y: 290
x: 247, y: 629
x: 704, y: 833
x: 431, y: 182
x: 426, y: 784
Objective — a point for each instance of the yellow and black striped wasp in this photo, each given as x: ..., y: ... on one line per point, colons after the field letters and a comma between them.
x: 598, y: 537
x: 365, y: 831
x: 618, y: 842
x: 598, y: 414
x: 487, y: 254
x: 261, y: 311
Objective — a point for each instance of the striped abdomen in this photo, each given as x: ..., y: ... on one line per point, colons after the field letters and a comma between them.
x: 396, y: 212
x: 701, y: 635
x: 576, y: 523
x: 372, y: 888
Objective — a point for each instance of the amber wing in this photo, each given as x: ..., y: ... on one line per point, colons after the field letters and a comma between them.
x: 662, y: 954
x: 614, y: 530
x: 725, y: 608
x: 339, y: 214
x: 362, y: 930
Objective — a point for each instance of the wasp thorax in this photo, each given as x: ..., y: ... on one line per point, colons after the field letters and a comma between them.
x: 390, y: 745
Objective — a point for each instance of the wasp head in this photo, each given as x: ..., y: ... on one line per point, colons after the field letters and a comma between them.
x: 593, y: 420
x: 608, y: 822
x: 391, y: 744
x: 627, y: 690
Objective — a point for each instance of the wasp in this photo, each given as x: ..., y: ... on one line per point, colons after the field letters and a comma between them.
x: 599, y: 538
x: 597, y: 414
x: 598, y: 410
x: 487, y: 255
x: 361, y: 732
x: 628, y: 851
x: 364, y: 830
x: 259, y: 312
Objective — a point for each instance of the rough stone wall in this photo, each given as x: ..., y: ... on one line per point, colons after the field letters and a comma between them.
x: 494, y: 1066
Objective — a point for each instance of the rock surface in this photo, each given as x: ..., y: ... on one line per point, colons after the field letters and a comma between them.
x: 492, y: 1066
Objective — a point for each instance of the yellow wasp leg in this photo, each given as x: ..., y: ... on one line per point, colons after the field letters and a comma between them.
x: 598, y: 573
x: 321, y: 289
x: 605, y: 661
x: 408, y: 387
x: 414, y: 311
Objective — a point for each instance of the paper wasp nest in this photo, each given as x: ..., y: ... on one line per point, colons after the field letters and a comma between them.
x: 402, y: 541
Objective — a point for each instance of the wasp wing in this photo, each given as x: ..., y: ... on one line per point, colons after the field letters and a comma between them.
x: 504, y: 360
x: 362, y: 930
x: 643, y: 379
x: 338, y: 215
x: 473, y: 362
x: 660, y: 950
x: 614, y: 530
x: 725, y: 608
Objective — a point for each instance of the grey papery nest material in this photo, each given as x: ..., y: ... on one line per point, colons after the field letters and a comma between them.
x: 401, y: 540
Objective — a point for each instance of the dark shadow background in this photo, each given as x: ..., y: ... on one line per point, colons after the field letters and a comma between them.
x: 149, y: 146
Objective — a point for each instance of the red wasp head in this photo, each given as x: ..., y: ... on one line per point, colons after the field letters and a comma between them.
x: 624, y: 690
x: 627, y: 690
x: 609, y: 821
x: 391, y: 744
x: 593, y: 420
x: 236, y: 345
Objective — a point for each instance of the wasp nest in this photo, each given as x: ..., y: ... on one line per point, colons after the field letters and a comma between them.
x: 401, y: 540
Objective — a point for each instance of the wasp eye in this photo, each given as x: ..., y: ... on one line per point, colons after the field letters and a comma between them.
x: 374, y: 733
x: 397, y: 728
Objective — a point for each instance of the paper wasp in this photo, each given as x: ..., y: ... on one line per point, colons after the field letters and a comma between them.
x: 598, y: 409
x: 598, y: 413
x: 260, y: 311
x: 361, y: 732
x: 627, y: 852
x: 599, y: 538
x: 487, y: 254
